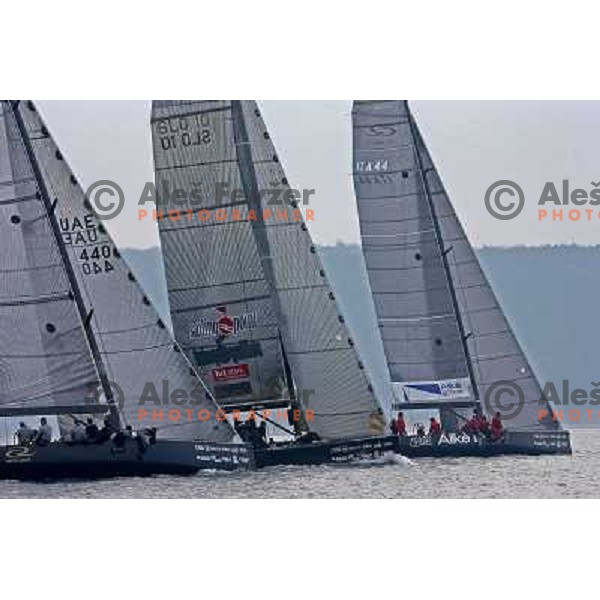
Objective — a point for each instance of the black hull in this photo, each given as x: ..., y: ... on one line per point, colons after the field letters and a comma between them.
x: 514, y: 443
x: 59, y: 460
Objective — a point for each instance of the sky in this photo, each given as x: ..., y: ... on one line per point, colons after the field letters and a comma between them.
x: 473, y: 143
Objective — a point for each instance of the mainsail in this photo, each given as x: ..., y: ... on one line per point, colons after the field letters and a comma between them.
x: 258, y: 267
x: 145, y: 367
x: 443, y: 330
x: 44, y: 355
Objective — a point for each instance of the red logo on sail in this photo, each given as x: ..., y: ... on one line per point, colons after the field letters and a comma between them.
x: 231, y: 372
x: 224, y: 326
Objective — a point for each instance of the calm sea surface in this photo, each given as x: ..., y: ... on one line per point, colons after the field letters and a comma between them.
x: 576, y: 476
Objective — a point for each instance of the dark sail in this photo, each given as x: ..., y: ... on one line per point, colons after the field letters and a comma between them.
x: 268, y: 266
x: 441, y: 324
x: 136, y: 349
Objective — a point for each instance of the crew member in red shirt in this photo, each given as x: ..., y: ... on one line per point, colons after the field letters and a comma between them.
x: 435, y: 428
x: 496, y: 428
x: 400, y: 424
x: 475, y: 423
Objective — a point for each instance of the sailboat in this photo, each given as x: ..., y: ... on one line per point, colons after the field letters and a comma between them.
x: 449, y: 347
x: 249, y: 299
x: 79, y: 338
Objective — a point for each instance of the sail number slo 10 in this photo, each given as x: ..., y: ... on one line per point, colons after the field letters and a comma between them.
x: 184, y: 131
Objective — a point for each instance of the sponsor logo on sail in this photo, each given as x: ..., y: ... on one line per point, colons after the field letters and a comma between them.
x: 224, y: 325
x: 231, y: 372
x: 419, y: 391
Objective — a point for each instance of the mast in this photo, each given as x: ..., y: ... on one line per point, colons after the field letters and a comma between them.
x: 444, y: 254
x: 72, y: 278
x: 251, y: 190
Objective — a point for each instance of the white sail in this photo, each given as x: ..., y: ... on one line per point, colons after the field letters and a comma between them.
x: 137, y: 350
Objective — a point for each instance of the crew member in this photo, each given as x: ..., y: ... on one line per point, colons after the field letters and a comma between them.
x: 496, y: 428
x: 474, y: 425
x: 484, y: 425
x: 78, y: 435
x: 25, y: 434
x: 44, y: 435
x: 91, y: 430
x: 400, y: 424
x: 435, y: 429
x: 377, y: 422
x: 106, y: 432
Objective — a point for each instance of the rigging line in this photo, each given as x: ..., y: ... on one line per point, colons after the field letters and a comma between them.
x: 151, y: 325
x: 140, y: 349
x: 459, y: 322
x: 14, y: 182
x: 205, y: 111
x: 19, y: 200
x: 211, y: 163
x: 30, y: 300
x: 214, y: 304
x: 213, y: 285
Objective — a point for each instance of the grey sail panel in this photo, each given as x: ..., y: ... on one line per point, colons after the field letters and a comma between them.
x: 44, y: 356
x: 327, y: 371
x: 220, y: 303
x: 389, y: 155
x: 413, y: 300
x: 137, y: 349
x: 494, y: 350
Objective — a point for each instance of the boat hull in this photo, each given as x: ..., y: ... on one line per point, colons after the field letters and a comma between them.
x: 61, y: 460
x: 451, y: 445
x: 525, y: 443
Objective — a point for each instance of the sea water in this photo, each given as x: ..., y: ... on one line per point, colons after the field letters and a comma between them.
x: 576, y: 476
